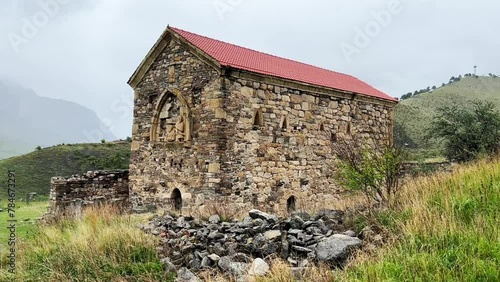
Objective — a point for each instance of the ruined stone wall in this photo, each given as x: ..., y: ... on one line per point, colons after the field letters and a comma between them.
x: 69, y: 196
x: 279, y: 142
x: 161, y: 169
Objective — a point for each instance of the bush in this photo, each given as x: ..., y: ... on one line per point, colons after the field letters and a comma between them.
x: 468, y: 134
x: 374, y: 171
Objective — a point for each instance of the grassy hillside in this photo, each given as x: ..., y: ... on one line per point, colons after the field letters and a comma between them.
x: 445, y: 227
x: 413, y: 116
x: 34, y: 170
x: 452, y: 232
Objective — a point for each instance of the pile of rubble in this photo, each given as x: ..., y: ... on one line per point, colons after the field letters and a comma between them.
x: 239, y: 248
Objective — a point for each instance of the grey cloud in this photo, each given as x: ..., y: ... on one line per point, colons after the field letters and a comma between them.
x: 88, y: 50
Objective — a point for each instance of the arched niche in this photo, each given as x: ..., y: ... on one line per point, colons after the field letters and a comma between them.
x: 172, y: 119
x: 290, y: 204
x: 176, y: 198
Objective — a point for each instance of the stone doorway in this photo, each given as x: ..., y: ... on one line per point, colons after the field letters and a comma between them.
x: 290, y: 204
x: 176, y: 198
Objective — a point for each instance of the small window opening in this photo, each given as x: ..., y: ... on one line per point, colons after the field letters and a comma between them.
x: 290, y: 204
x: 257, y: 119
x: 284, y: 123
x: 176, y: 198
x: 322, y: 127
x: 333, y: 137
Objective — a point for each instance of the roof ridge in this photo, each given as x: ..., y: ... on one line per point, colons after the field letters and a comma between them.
x: 232, y: 55
x: 253, y: 50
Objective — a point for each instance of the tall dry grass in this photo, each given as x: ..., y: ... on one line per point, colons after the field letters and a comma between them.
x: 101, y: 246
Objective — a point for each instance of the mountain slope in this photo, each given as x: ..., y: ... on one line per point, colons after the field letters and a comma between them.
x: 34, y: 170
x: 413, y: 116
x: 28, y: 120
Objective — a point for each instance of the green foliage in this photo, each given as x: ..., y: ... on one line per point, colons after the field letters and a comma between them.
x: 38, y: 148
x: 103, y: 141
x: 374, y: 172
x: 413, y: 116
x: 468, y: 134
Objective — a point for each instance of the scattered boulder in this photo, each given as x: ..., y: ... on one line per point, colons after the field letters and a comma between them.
x: 336, y: 247
x: 258, y: 268
x: 185, y: 275
x: 236, y: 269
x: 214, y: 219
x: 272, y: 234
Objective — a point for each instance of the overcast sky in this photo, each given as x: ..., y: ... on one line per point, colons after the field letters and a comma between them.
x: 85, y: 51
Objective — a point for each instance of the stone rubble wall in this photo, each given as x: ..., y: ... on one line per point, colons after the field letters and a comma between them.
x: 302, y: 240
x: 69, y: 196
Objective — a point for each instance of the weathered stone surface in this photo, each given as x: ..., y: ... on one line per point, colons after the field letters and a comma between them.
x: 236, y: 269
x: 262, y: 215
x: 184, y: 275
x: 69, y: 196
x: 336, y: 247
x: 214, y: 219
x: 233, y: 247
x: 272, y: 234
x: 198, y: 135
x: 258, y: 268
x: 168, y: 266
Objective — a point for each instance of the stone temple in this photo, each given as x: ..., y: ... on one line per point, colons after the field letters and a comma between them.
x: 215, y: 123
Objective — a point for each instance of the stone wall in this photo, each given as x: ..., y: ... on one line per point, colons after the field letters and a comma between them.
x: 158, y: 167
x: 279, y: 142
x: 204, y: 134
x: 69, y: 196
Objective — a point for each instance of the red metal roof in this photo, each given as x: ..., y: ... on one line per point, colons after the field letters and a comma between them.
x: 246, y: 59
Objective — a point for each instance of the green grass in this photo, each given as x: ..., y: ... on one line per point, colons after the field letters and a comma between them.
x: 415, y: 114
x: 451, y: 231
x: 102, y: 246
x: 26, y: 216
x: 34, y: 170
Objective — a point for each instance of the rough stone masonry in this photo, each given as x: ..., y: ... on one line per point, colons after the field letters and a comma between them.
x: 69, y: 196
x: 204, y: 132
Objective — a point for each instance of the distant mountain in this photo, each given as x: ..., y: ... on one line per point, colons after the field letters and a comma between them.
x: 28, y: 121
x: 413, y: 116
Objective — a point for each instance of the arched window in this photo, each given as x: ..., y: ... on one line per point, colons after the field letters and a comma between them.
x: 172, y: 121
x: 176, y: 199
x: 322, y: 126
x: 284, y: 123
x: 290, y: 204
x: 258, y: 120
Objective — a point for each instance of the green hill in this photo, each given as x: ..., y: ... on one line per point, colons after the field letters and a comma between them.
x: 34, y: 170
x: 413, y: 116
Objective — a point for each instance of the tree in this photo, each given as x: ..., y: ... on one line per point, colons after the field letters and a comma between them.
x: 468, y: 133
x: 376, y: 171
x: 434, y: 87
